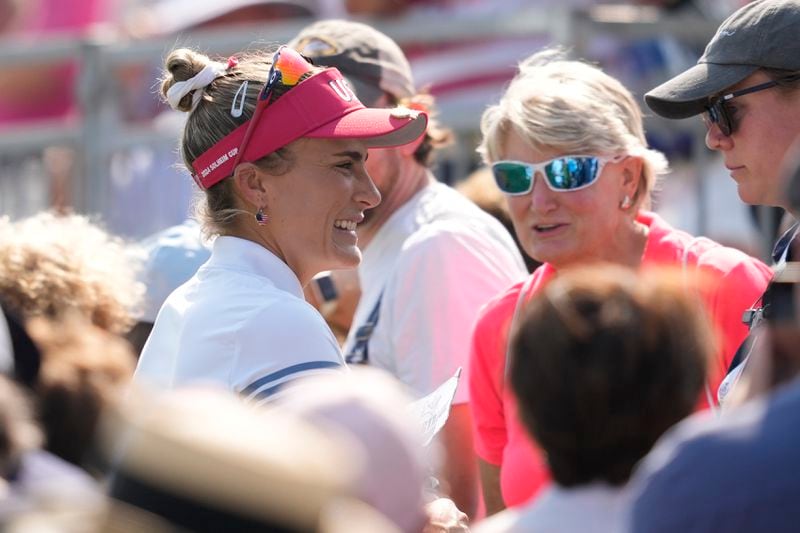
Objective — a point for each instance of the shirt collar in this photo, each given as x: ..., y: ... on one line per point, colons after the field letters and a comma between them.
x: 249, y: 257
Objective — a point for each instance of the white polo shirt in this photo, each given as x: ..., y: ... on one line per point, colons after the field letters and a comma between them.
x: 241, y: 322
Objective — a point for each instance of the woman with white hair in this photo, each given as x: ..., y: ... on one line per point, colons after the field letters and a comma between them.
x: 566, y: 145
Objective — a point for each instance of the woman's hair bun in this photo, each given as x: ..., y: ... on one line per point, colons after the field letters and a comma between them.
x: 181, y: 65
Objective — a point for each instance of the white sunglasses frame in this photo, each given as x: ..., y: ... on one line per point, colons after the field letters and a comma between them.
x: 539, y: 168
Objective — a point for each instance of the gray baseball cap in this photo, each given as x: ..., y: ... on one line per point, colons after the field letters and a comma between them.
x: 371, y: 61
x: 762, y: 34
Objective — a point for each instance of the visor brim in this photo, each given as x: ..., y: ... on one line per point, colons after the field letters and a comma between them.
x: 378, y: 127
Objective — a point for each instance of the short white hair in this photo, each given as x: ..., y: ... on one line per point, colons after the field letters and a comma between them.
x: 574, y: 107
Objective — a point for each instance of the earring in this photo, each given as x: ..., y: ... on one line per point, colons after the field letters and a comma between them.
x: 626, y: 202
x: 261, y: 217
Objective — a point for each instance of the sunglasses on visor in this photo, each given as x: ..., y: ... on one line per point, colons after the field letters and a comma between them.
x: 561, y: 174
x: 288, y: 67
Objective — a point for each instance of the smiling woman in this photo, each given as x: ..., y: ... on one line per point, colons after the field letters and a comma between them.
x: 318, y: 204
x: 278, y: 147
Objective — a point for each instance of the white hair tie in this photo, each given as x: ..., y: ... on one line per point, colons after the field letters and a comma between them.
x: 201, y: 80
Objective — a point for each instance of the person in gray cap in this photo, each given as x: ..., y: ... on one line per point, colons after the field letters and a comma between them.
x: 431, y: 258
x: 738, y: 472
x: 746, y: 86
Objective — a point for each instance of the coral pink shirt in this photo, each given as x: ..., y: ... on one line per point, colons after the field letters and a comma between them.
x: 733, y: 282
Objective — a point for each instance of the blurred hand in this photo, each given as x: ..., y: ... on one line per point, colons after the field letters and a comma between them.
x: 444, y: 517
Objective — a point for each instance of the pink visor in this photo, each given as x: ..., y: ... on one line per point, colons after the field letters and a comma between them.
x: 322, y: 106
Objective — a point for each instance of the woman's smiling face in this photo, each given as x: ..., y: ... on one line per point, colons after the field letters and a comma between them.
x: 314, y: 208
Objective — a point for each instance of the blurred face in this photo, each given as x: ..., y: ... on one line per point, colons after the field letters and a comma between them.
x: 315, y: 208
x: 766, y: 124
x: 567, y: 228
x: 383, y: 166
x: 390, y: 169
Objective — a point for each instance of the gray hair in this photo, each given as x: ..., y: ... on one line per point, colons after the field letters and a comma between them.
x: 574, y: 107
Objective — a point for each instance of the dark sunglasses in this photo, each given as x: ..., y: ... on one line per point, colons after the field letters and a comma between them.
x: 718, y: 113
x: 561, y: 174
x: 288, y: 66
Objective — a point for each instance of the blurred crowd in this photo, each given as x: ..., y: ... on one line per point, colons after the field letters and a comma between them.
x: 298, y: 309
x: 108, y: 125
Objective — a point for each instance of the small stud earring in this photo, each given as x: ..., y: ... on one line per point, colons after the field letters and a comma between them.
x: 261, y: 217
x: 626, y: 202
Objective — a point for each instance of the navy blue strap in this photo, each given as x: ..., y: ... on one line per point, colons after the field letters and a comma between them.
x: 359, y: 354
x: 782, y: 245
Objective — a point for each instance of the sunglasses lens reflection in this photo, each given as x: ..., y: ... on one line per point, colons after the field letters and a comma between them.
x: 571, y: 173
x: 513, y: 178
x: 716, y: 113
x: 562, y: 174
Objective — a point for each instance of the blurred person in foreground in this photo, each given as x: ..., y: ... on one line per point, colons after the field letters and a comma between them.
x: 746, y: 86
x: 84, y: 370
x: 372, y: 407
x: 279, y: 148
x: 72, y: 370
x: 635, y: 350
x: 205, y: 460
x: 431, y: 257
x: 53, y: 265
x: 74, y: 290
x: 566, y: 145
x: 32, y: 478
x: 737, y: 473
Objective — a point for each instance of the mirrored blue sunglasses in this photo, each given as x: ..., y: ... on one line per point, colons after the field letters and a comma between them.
x: 561, y: 174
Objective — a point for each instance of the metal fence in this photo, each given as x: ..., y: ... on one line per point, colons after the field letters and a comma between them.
x: 101, y: 130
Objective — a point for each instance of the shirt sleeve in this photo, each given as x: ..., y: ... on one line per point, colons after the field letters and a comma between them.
x: 487, y: 378
x: 281, y: 343
x: 431, y: 303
